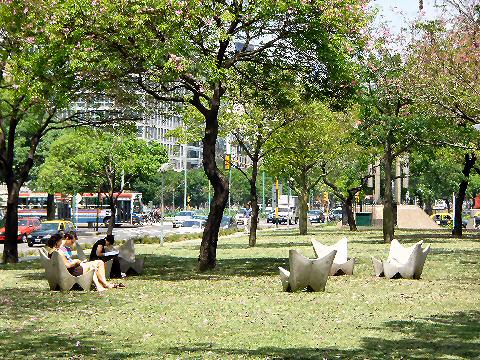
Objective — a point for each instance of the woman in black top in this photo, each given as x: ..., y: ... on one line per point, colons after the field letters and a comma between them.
x: 98, y: 253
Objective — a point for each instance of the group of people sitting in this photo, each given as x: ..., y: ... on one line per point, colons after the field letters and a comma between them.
x: 64, y: 245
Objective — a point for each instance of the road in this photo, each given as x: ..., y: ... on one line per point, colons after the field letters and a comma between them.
x: 89, y: 236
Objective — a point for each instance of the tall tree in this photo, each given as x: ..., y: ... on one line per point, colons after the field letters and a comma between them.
x: 253, y: 121
x: 190, y: 51
x: 443, y: 75
x: 388, y: 122
x: 38, y: 78
x: 298, y: 151
x: 89, y: 160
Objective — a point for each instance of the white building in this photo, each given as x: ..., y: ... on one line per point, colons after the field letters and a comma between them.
x: 158, y: 120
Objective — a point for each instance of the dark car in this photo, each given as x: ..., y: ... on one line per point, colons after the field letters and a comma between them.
x: 47, y: 229
x: 316, y: 216
x: 271, y: 217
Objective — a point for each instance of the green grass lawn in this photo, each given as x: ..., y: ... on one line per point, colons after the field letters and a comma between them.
x: 238, y: 311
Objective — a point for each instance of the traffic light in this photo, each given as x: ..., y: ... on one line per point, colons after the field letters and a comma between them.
x: 325, y: 196
x: 357, y: 197
x: 227, y: 162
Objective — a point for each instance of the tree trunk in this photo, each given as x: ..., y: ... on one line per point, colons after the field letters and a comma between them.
x: 208, y: 249
x: 50, y: 207
x: 113, y: 212
x: 252, y: 238
x: 10, y: 248
x: 303, y: 207
x: 429, y: 207
x: 349, y: 211
x: 460, y: 198
x: 388, y: 216
x: 447, y: 201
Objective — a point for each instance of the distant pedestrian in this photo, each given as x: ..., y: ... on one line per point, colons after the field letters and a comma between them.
x: 248, y: 218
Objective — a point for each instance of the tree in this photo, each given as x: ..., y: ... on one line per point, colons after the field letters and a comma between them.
x: 443, y: 75
x: 389, y: 122
x: 253, y: 122
x: 39, y: 77
x: 435, y: 174
x: 190, y: 52
x: 91, y: 160
x: 298, y: 150
x: 346, y: 170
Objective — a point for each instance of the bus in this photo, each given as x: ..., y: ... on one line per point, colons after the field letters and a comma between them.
x: 86, y: 208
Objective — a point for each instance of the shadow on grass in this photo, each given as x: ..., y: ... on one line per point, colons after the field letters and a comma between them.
x: 437, y: 337
x: 173, y: 268
x: 263, y: 245
x: 37, y: 341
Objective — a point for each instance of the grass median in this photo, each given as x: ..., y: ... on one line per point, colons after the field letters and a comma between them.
x: 238, y: 311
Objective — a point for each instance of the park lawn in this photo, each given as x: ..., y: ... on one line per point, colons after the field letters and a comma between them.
x: 238, y: 311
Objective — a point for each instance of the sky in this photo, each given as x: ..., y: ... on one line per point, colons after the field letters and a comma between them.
x: 396, y: 11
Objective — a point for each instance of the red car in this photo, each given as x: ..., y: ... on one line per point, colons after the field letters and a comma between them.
x: 25, y: 227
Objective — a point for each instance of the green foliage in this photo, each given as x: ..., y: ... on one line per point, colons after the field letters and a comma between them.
x: 299, y: 149
x: 88, y: 160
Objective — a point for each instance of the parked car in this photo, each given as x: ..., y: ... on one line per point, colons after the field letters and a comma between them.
x: 446, y: 219
x: 316, y: 216
x: 271, y: 217
x: 240, y: 217
x: 47, y: 229
x: 228, y: 222
x: 179, y: 219
x: 335, y: 214
x: 25, y: 227
x: 442, y: 219
x: 193, y: 225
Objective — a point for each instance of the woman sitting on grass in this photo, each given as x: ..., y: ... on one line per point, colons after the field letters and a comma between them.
x: 77, y: 267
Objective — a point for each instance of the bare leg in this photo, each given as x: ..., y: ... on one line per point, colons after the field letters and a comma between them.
x: 97, y: 283
x: 101, y: 274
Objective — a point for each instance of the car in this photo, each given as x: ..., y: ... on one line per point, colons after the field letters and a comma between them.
x: 25, y: 227
x: 335, y: 214
x: 442, y: 219
x: 47, y: 229
x: 193, y: 226
x: 286, y: 215
x: 446, y: 219
x: 228, y: 222
x: 240, y: 217
x: 316, y: 216
x: 181, y: 217
x: 271, y: 217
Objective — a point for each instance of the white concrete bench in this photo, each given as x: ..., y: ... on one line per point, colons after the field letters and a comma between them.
x: 402, y: 262
x: 305, y: 273
x: 342, y: 264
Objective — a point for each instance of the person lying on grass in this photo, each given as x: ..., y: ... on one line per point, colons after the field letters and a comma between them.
x: 77, y: 267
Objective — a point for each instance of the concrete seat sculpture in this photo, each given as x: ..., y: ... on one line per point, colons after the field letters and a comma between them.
x: 342, y: 265
x: 58, y: 276
x: 311, y: 274
x: 81, y: 255
x: 128, y: 262
x: 402, y: 262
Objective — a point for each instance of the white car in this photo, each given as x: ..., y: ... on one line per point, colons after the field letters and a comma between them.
x: 192, y: 226
x: 240, y: 218
x: 181, y: 217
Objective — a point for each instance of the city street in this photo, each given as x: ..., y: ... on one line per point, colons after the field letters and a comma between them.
x: 89, y: 236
